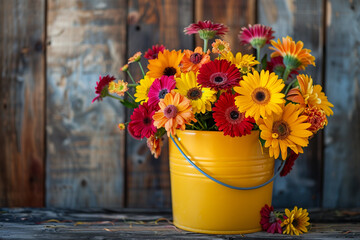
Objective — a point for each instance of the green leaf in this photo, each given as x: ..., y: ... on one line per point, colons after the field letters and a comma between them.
x: 128, y: 104
x: 264, y: 62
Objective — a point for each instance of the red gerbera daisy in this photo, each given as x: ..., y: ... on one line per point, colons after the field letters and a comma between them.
x: 269, y: 222
x: 228, y: 118
x: 218, y: 75
x: 142, y: 123
x: 277, y: 66
x: 257, y: 35
x: 101, y: 87
x: 159, y: 88
x: 153, y: 53
x: 289, y: 164
x: 206, y: 29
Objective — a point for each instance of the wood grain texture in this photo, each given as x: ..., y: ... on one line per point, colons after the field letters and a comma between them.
x: 85, y: 150
x: 22, y: 115
x: 150, y: 23
x: 235, y: 14
x: 303, y: 21
x: 342, y: 135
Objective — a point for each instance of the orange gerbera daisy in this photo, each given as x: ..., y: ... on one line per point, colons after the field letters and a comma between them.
x: 166, y: 64
x: 175, y: 112
x: 295, y: 57
x: 135, y: 58
x: 193, y: 60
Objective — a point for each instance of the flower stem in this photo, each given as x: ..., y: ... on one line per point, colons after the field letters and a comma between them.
x: 290, y: 84
x: 131, y: 96
x: 286, y: 74
x: 205, y: 45
x: 142, y: 70
x: 132, y: 79
x: 133, y: 85
x: 258, y: 57
x: 113, y: 97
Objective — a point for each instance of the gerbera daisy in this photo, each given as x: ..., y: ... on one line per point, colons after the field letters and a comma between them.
x: 124, y: 68
x: 193, y: 60
x: 121, y: 126
x: 289, y: 163
x: 206, y: 29
x: 310, y: 95
x: 220, y: 47
x: 295, y: 57
x: 175, y: 112
x: 316, y: 117
x: 159, y: 88
x: 260, y: 95
x: 142, y: 123
x: 119, y: 88
x: 152, y: 53
x: 228, y: 118
x: 269, y: 221
x: 284, y: 130
x: 155, y: 144
x: 243, y: 62
x: 101, y: 88
x: 201, y: 98
x: 142, y: 90
x: 135, y: 58
x: 218, y: 75
x: 277, y: 66
x: 296, y: 222
x: 257, y: 35
x: 166, y: 64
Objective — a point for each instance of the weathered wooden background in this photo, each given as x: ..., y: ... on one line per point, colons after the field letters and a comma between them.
x: 59, y: 150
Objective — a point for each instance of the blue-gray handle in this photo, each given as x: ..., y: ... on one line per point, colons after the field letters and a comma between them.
x: 222, y: 183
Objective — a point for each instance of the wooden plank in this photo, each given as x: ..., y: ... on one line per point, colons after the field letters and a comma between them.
x: 153, y: 22
x: 342, y: 135
x: 85, y: 150
x: 22, y: 115
x: 233, y: 13
x: 302, y: 20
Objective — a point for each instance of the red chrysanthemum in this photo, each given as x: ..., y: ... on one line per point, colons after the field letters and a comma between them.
x: 277, y: 66
x: 228, y: 118
x: 159, y: 88
x: 152, y: 53
x: 101, y: 85
x: 142, y: 122
x: 206, y: 29
x: 269, y: 222
x: 218, y: 75
x: 289, y: 163
x: 257, y: 35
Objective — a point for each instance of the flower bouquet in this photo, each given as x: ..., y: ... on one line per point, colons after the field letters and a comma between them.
x: 234, y: 95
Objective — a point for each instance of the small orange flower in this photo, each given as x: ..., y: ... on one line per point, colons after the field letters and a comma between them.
x: 125, y: 68
x: 121, y: 126
x: 316, y: 117
x: 135, y: 58
x: 220, y: 47
x: 119, y: 88
x: 175, y: 112
x: 193, y: 60
x: 155, y: 144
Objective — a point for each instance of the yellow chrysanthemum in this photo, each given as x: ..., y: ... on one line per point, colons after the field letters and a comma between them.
x: 310, y: 95
x: 121, y: 126
x: 201, y: 98
x: 243, y: 62
x: 260, y: 94
x: 142, y: 90
x: 294, y: 56
x: 119, y: 88
x: 220, y: 47
x: 284, y: 130
x: 167, y: 64
x: 296, y: 222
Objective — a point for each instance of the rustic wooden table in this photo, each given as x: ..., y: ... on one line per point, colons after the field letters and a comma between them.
x: 29, y: 223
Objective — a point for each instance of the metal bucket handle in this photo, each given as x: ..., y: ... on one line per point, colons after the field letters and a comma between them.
x: 222, y: 183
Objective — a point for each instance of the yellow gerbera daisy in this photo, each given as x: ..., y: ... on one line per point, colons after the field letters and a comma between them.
x: 296, y: 222
x: 201, y: 98
x: 260, y: 95
x: 284, y: 130
x: 142, y: 90
x: 310, y: 95
x: 243, y: 62
x: 119, y: 88
x: 166, y: 64
x: 294, y: 56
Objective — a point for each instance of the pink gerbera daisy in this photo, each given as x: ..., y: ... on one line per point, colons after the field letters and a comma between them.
x: 228, y: 118
x: 206, y: 29
x: 269, y: 221
x: 159, y: 88
x: 277, y: 66
x: 257, y: 35
x: 218, y: 75
x: 152, y: 53
x: 101, y: 87
x: 142, y: 123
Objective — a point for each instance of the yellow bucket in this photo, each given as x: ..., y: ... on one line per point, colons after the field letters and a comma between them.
x: 204, y: 206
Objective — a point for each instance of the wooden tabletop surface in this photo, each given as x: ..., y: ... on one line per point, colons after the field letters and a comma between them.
x: 30, y: 223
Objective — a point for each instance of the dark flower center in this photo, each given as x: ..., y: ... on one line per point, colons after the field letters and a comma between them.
x: 169, y: 71
x: 147, y: 121
x: 195, y: 58
x: 272, y: 217
x: 234, y: 115
x: 261, y: 95
x: 218, y: 78
x: 162, y: 93
x: 170, y: 111
x: 194, y: 93
x: 295, y: 223
x: 281, y: 128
